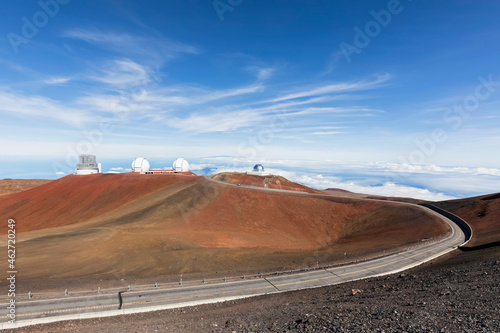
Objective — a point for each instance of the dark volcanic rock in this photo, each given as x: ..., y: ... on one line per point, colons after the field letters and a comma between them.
x: 456, y: 294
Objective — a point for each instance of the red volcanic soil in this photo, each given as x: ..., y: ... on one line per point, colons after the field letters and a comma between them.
x: 253, y: 218
x: 76, y: 198
x: 270, y: 181
x: 142, y: 226
x: 482, y: 213
x: 9, y: 186
x: 347, y: 194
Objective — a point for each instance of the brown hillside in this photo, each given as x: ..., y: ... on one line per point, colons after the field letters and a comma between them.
x: 347, y: 194
x: 77, y: 198
x: 270, y: 181
x: 9, y: 186
x: 482, y: 213
x: 130, y: 226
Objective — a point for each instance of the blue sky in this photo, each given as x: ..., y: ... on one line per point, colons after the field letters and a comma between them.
x: 373, y: 96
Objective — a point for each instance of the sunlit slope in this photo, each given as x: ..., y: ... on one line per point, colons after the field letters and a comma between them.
x: 140, y: 226
x: 269, y: 181
x: 75, y: 198
x: 248, y: 218
x: 9, y: 186
x: 482, y: 213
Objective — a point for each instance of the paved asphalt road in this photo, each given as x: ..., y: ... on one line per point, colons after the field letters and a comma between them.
x: 41, y: 311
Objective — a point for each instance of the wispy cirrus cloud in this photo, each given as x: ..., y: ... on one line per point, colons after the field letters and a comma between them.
x: 229, y: 118
x: 262, y: 73
x: 217, y: 121
x: 337, y: 88
x: 333, y: 62
x: 173, y: 105
x: 157, y: 99
x: 21, y: 105
x: 233, y: 92
x: 123, y: 73
x: 327, y: 133
x: 265, y: 73
x: 199, y: 109
x: 234, y: 117
x: 194, y: 95
x: 113, y: 104
x: 133, y: 44
x: 57, y: 80
x: 330, y: 110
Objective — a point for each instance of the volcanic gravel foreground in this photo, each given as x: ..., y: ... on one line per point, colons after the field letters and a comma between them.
x: 458, y: 293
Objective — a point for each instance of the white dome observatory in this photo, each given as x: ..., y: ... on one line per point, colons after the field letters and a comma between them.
x: 140, y: 164
x: 180, y: 165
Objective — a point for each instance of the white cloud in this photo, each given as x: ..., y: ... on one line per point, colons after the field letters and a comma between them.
x: 158, y: 48
x: 196, y: 166
x: 233, y: 169
x: 327, y: 133
x: 318, y: 181
x: 318, y: 110
x: 434, y: 169
x: 18, y: 104
x: 262, y: 73
x: 228, y: 118
x: 217, y: 122
x: 338, y: 87
x: 371, y: 178
x: 116, y: 169
x: 157, y: 104
x: 123, y: 73
x: 217, y: 117
x: 486, y: 171
x: 233, y: 92
x: 170, y: 97
x: 57, y: 80
x: 265, y: 73
x: 386, y: 189
x: 333, y: 62
x: 114, y: 104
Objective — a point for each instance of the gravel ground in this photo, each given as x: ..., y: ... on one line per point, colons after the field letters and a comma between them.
x: 457, y: 293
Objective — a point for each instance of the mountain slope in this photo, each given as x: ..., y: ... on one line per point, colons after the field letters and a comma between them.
x: 132, y: 225
x: 269, y: 181
x: 9, y: 186
x: 482, y: 213
x: 75, y: 198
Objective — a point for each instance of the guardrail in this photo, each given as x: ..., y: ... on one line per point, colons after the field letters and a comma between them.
x: 466, y: 228
x: 162, y: 284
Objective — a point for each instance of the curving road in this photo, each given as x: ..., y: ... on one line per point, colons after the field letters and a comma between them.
x: 43, y: 311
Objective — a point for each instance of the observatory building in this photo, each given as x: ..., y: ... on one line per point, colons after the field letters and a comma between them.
x: 258, y: 170
x: 180, y: 165
x: 87, y: 165
x: 140, y: 164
